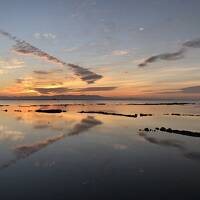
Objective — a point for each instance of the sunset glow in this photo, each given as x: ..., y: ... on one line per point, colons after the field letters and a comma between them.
x: 92, y: 52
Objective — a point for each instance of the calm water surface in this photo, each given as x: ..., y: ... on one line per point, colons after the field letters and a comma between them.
x: 91, y: 156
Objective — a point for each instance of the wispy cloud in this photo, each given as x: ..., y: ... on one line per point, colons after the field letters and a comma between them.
x: 11, y: 64
x: 193, y: 89
x: 192, y: 43
x: 87, y: 89
x: 58, y: 90
x: 120, y: 52
x: 85, y: 74
x: 22, y: 80
x: 174, y: 55
x: 45, y: 36
x: 25, y: 48
x: 186, y: 90
x: 165, y: 56
x: 61, y: 90
x: 72, y: 49
x: 43, y: 72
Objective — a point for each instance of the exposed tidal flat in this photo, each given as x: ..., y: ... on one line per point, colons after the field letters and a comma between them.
x: 99, y: 150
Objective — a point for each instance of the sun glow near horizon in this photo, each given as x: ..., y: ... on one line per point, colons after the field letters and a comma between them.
x: 130, y: 57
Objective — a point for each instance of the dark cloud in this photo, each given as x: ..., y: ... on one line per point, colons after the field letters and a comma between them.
x: 96, y: 89
x: 172, y: 56
x: 85, y: 74
x: 187, y: 90
x: 60, y: 90
x: 42, y: 72
x: 24, y: 151
x: 192, y: 43
x: 19, y: 80
x: 49, y: 82
x: 11, y: 37
x: 57, y: 90
x: 165, y: 56
x: 193, y: 89
x: 25, y: 48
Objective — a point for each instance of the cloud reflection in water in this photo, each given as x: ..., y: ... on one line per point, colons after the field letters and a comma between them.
x: 172, y: 143
x: 24, y: 151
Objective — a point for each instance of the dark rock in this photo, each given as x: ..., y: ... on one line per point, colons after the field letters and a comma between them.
x: 144, y: 115
x: 162, y: 129
x: 180, y: 132
x: 169, y: 130
x: 17, y: 110
x: 176, y: 114
x: 49, y: 111
x: 107, y: 113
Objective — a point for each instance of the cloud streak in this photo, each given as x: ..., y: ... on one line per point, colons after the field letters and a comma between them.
x: 174, y: 55
x: 57, y: 90
x: 42, y: 72
x: 60, y: 90
x: 26, y: 48
x: 45, y: 36
x: 193, y: 89
x: 192, y: 43
x: 95, y: 89
x: 165, y: 56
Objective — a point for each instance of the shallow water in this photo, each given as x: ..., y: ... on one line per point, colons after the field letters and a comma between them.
x: 92, y: 156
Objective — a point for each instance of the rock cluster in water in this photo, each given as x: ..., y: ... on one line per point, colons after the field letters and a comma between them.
x: 175, y: 131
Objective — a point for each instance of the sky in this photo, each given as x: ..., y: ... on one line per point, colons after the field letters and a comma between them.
x: 115, y: 48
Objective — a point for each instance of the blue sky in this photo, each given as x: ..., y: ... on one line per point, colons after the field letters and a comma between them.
x: 110, y: 37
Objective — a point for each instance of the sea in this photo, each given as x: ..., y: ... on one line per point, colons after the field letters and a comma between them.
x: 99, y: 150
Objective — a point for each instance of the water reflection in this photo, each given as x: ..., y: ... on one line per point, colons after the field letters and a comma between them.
x: 193, y: 155
x: 24, y: 151
x: 112, y: 158
x: 7, y: 134
x: 172, y: 143
x: 163, y: 142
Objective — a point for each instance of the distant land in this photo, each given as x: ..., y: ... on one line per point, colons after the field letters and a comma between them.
x: 85, y: 97
x: 56, y: 97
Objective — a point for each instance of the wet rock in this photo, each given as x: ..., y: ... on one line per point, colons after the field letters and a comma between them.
x: 162, y: 129
x: 49, y: 111
x: 144, y: 115
x: 179, y: 114
x: 180, y: 132
x: 176, y: 114
x: 108, y: 113
x: 169, y: 130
